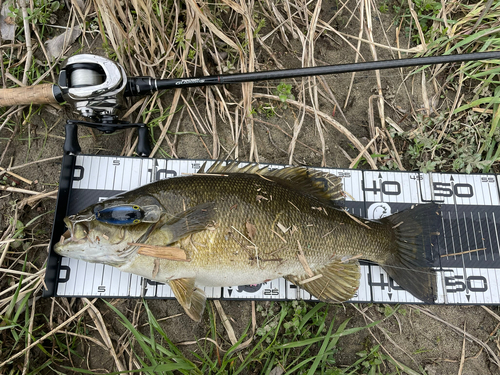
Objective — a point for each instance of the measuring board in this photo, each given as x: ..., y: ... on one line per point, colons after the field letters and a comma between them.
x: 466, y: 255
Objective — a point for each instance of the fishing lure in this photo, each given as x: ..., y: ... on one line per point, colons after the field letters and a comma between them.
x: 127, y: 214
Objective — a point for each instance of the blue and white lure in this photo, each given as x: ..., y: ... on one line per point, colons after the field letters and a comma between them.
x: 121, y: 215
x: 128, y: 214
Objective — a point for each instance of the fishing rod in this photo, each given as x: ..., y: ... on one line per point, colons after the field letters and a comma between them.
x: 97, y: 88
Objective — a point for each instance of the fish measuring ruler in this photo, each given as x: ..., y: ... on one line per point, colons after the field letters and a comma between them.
x: 466, y: 255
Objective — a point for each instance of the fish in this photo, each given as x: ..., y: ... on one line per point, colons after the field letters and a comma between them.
x: 233, y: 225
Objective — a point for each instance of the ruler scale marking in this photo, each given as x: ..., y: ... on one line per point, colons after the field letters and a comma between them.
x: 475, y: 236
x: 489, y: 237
x: 482, y: 236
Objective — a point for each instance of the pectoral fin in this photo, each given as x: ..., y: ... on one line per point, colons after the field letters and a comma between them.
x: 182, y: 225
x: 191, y: 298
x: 336, y: 282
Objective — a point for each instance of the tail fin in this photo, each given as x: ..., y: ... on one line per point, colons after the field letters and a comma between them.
x: 408, y: 264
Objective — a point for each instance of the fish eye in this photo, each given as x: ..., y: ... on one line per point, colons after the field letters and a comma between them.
x: 137, y: 221
x: 137, y: 208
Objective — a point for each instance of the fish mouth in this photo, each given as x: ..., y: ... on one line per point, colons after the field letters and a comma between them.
x: 77, y: 231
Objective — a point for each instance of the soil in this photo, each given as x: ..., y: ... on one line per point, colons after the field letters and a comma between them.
x: 415, y: 339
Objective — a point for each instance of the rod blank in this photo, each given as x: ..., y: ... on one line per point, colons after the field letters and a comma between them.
x: 166, y: 84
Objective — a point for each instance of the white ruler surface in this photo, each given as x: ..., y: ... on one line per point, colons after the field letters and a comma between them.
x: 466, y: 255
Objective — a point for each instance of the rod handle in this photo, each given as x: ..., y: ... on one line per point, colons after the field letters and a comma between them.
x: 38, y: 94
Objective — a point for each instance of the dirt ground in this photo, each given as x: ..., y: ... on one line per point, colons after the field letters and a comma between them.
x: 419, y: 340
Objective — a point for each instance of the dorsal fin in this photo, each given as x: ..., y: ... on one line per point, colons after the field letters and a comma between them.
x: 322, y: 185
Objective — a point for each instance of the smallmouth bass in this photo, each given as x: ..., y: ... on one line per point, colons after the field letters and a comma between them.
x: 238, y: 226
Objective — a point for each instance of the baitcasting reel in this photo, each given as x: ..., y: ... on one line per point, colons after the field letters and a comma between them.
x: 96, y: 87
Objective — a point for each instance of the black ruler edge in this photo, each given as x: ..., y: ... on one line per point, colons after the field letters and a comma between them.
x: 62, y: 202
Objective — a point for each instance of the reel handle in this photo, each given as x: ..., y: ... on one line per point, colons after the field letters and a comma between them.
x: 39, y: 94
x: 143, y: 145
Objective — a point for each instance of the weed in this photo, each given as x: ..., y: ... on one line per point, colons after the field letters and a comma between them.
x: 42, y: 12
x: 284, y: 92
x: 468, y: 146
x: 384, y: 7
x: 389, y: 310
x: 180, y: 36
x: 370, y: 361
x: 293, y: 336
x: 261, y: 23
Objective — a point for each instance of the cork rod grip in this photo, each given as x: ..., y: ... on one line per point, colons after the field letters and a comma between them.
x: 39, y: 94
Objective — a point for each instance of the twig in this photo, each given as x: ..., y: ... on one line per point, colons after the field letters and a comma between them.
x: 371, y: 120
x: 361, y: 28
x: 395, y: 150
x: 29, y: 182
x: 417, y: 25
x: 33, y: 199
x: 365, y: 149
x: 288, y: 135
x: 356, y: 219
x: 14, y: 133
x: 491, y: 313
x: 387, y: 336
x: 103, y: 331
x: 462, y: 357
x: 254, y: 245
x: 303, y: 261
x: 462, y: 252
x: 27, y: 36
x: 23, y: 191
x: 381, y: 109
x: 227, y: 325
x: 33, y: 162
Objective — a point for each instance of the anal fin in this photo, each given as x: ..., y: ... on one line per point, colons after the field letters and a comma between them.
x: 338, y: 281
x: 191, y: 298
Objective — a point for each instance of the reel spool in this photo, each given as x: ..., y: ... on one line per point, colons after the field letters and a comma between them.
x: 85, y: 78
